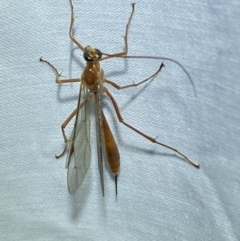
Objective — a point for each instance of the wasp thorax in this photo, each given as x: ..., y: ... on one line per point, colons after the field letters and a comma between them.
x: 91, y: 54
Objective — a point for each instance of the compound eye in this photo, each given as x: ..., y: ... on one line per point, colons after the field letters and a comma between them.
x: 98, y: 54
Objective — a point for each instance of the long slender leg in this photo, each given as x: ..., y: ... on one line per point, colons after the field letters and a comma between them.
x: 125, y: 39
x: 144, y: 135
x: 133, y: 85
x: 71, y: 28
x: 63, y: 126
x: 58, y: 75
x: 65, y: 123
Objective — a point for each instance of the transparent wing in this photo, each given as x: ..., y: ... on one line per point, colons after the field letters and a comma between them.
x: 79, y: 154
x: 101, y: 149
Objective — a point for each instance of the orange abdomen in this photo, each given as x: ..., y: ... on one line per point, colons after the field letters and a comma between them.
x: 112, y: 152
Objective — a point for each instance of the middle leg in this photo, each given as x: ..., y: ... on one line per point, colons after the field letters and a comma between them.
x: 134, y: 85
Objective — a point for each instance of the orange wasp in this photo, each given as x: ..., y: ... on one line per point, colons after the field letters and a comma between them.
x: 92, y: 86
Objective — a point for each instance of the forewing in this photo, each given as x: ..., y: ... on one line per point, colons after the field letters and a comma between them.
x: 99, y: 134
x: 79, y: 155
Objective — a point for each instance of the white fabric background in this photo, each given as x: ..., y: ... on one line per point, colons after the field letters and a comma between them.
x: 160, y: 196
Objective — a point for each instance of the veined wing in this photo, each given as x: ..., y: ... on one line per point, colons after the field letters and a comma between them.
x: 99, y: 134
x: 79, y: 153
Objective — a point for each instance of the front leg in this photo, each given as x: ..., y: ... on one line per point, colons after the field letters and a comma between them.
x: 123, y: 53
